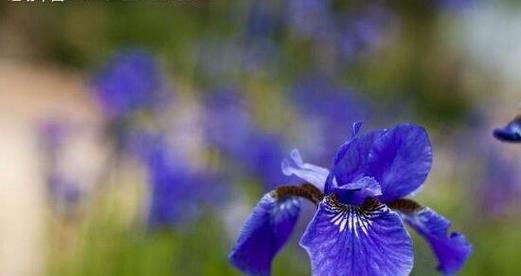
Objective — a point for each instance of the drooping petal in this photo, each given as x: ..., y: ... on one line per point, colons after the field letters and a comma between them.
x: 451, y: 250
x: 264, y: 233
x: 350, y: 240
x: 511, y: 132
x: 400, y: 160
x: 311, y: 173
x: 351, y: 161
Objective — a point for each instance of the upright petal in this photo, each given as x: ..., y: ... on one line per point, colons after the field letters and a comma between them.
x: 311, y: 173
x: 264, y: 233
x: 400, y: 160
x: 350, y: 240
x: 451, y: 250
x: 352, y: 160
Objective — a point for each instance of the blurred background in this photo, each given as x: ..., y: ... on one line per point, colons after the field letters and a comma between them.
x: 136, y: 136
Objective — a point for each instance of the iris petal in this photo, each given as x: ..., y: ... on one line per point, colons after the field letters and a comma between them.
x: 511, y: 132
x: 451, y: 250
x: 357, y: 192
x: 349, y: 240
x: 352, y: 160
x: 264, y: 233
x: 400, y: 160
x: 311, y: 173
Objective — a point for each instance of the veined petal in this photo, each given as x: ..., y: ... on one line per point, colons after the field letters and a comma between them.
x: 264, y: 233
x: 400, y: 160
x: 451, y: 250
x: 350, y: 240
x: 352, y: 160
x: 311, y: 173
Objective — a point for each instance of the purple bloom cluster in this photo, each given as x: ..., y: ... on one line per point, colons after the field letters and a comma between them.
x: 358, y: 228
x: 173, y: 186
x: 348, y: 33
x: 130, y: 81
x: 232, y: 131
x: 178, y: 189
x: 323, y: 104
x: 497, y: 187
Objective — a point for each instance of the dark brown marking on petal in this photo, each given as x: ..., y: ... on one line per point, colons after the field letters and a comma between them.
x: 405, y: 205
x: 307, y: 191
x: 371, y: 204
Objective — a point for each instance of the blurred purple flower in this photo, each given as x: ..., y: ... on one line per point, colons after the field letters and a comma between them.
x: 173, y: 189
x: 309, y: 19
x: 264, y: 19
x: 64, y: 192
x: 232, y: 131
x: 492, y: 164
x: 178, y: 190
x: 322, y: 105
x: 498, y: 185
x: 130, y: 81
x: 362, y: 31
x: 264, y: 22
x: 358, y: 227
x: 348, y: 33
x: 260, y: 154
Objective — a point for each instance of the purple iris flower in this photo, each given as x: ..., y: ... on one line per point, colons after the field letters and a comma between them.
x: 498, y: 186
x: 323, y: 104
x: 358, y: 228
x: 511, y: 132
x: 362, y: 30
x: 174, y: 184
x: 130, y: 81
x: 171, y: 199
x: 347, y: 33
x: 268, y: 150
x: 231, y: 129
